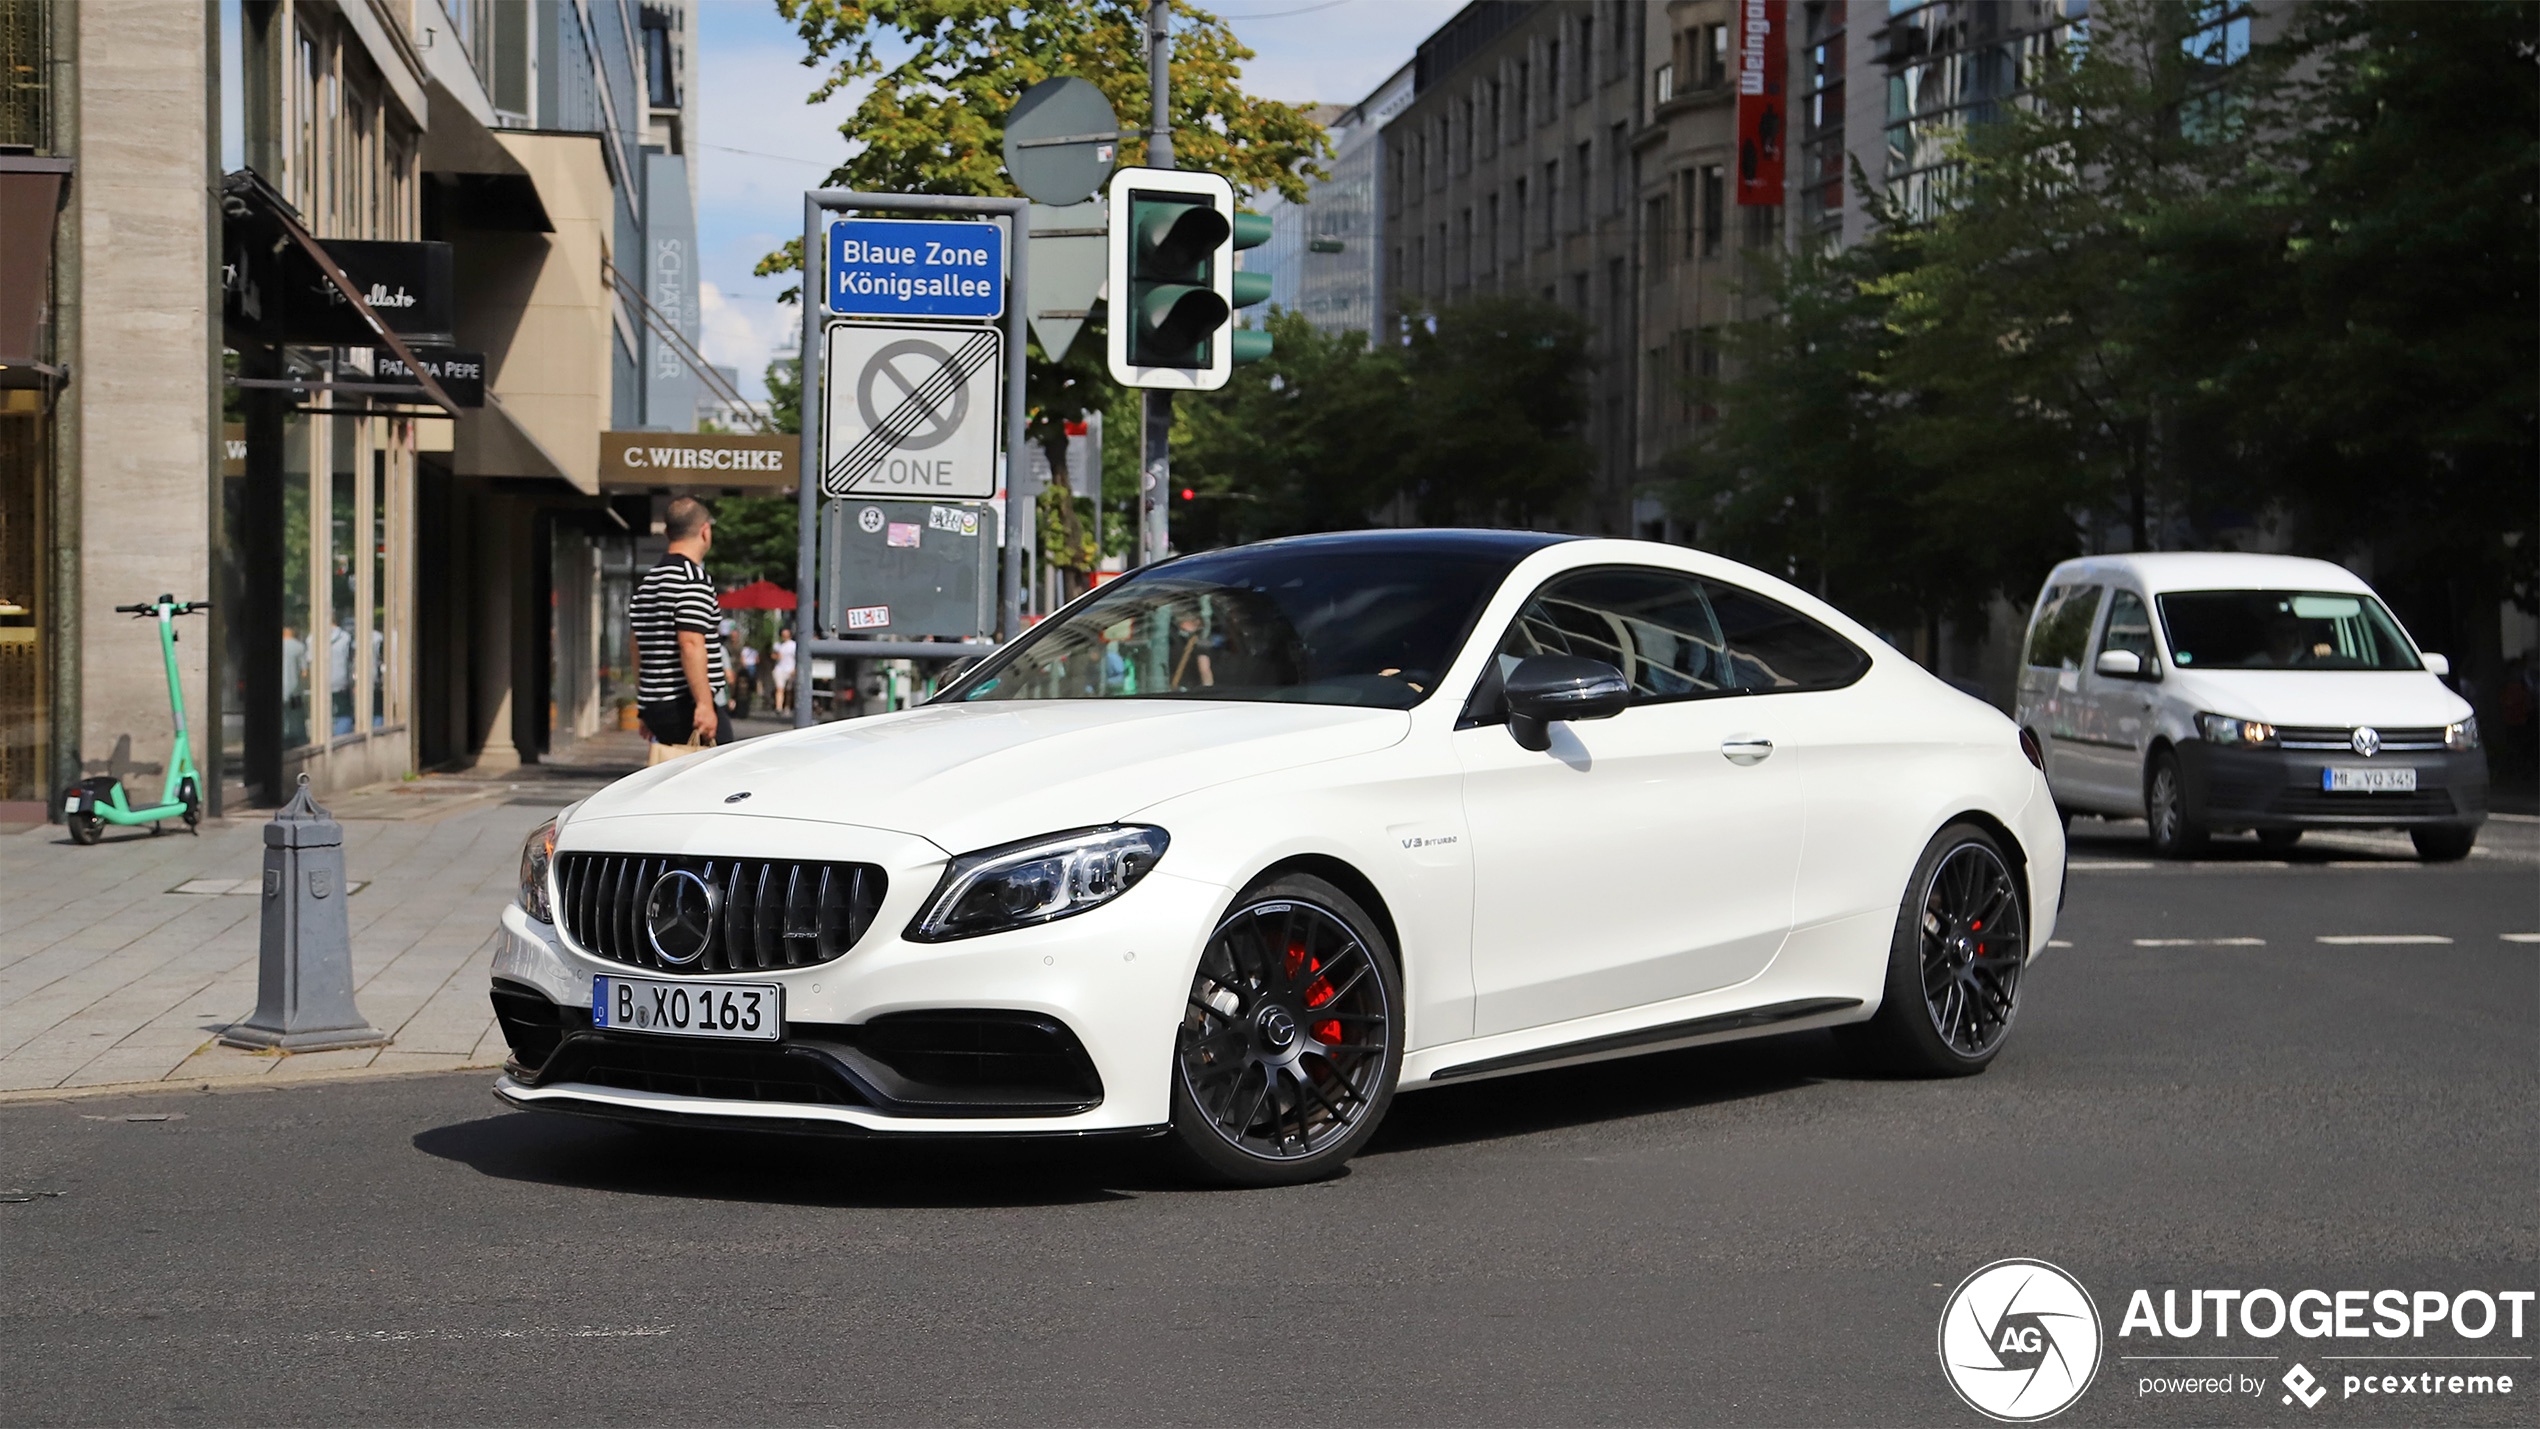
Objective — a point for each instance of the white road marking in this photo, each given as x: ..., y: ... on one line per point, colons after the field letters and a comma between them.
x: 2060, y: 943
x: 2106, y: 865
x: 2200, y: 942
x: 2383, y: 940
x: 2520, y: 937
x: 2370, y: 863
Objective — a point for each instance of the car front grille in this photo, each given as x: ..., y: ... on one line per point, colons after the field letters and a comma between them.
x: 771, y: 913
x: 2342, y: 740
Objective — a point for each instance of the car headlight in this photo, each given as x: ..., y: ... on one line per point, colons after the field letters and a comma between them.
x: 1036, y: 881
x: 535, y: 854
x: 2463, y: 737
x: 2221, y: 729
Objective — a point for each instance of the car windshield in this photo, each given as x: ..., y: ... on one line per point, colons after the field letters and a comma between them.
x: 2283, y: 630
x: 1298, y: 624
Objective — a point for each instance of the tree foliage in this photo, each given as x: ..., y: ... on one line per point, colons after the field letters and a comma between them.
x: 1472, y: 419
x: 2177, y: 296
x: 935, y: 121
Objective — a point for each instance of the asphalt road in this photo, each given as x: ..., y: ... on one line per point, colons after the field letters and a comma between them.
x: 1748, y: 1234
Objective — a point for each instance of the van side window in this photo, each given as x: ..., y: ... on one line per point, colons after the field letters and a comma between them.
x: 2060, y: 633
x: 2130, y: 628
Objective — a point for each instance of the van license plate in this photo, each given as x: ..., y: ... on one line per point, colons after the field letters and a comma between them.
x: 751, y: 1011
x: 2346, y: 779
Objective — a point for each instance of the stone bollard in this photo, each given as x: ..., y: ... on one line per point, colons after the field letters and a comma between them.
x: 304, y: 975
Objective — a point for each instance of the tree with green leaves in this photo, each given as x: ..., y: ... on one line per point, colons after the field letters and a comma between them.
x: 935, y: 121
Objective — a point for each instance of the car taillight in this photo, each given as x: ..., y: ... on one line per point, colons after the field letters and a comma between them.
x: 2036, y: 752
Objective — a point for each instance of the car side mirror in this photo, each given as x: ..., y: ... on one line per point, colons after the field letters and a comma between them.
x: 1544, y: 688
x: 2438, y: 664
x: 2124, y: 664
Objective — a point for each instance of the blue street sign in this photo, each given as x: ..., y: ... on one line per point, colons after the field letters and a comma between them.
x: 916, y: 268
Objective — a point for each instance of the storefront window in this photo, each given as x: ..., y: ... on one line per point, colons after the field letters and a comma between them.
x: 298, y: 563
x: 379, y: 633
x: 344, y: 548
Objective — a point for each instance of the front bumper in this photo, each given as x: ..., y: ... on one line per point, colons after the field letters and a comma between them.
x: 2228, y: 788
x: 1066, y: 1028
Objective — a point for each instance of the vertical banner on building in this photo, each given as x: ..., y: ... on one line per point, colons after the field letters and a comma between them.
x: 1763, y: 70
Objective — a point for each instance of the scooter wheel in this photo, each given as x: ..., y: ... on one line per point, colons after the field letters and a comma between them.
x: 85, y: 828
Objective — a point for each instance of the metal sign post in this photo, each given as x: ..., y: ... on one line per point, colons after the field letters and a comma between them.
x: 952, y: 285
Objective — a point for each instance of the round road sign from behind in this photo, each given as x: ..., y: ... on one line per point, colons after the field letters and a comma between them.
x: 1061, y: 141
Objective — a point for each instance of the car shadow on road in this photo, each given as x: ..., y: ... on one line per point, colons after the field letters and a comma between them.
x: 588, y: 1155
x: 1647, y: 1085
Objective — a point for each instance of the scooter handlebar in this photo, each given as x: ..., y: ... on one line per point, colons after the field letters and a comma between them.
x: 176, y: 607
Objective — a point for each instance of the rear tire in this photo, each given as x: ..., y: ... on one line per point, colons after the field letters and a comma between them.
x: 2279, y: 840
x: 1290, y: 1042
x: 85, y: 828
x: 2174, y: 835
x: 1953, y: 965
x: 2443, y: 845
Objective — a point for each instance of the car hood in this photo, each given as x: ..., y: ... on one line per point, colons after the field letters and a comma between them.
x: 970, y: 776
x: 2397, y: 698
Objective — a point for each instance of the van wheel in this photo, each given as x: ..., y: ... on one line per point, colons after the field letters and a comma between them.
x: 2174, y: 835
x: 2442, y: 845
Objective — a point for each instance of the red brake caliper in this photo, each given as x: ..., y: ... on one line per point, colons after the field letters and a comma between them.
x: 1316, y: 994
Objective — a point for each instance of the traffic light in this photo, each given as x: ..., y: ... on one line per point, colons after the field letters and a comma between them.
x: 1173, y: 287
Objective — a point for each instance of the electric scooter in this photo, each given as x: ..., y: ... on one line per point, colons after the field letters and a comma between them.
x: 92, y: 803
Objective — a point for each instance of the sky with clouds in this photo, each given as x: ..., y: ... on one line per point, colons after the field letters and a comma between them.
x: 759, y: 145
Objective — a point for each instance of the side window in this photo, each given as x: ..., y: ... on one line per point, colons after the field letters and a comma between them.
x: 1773, y: 648
x: 1654, y: 626
x: 2130, y: 628
x: 2060, y: 634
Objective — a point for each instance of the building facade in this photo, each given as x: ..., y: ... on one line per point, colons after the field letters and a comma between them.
x: 1325, y: 256
x: 252, y: 206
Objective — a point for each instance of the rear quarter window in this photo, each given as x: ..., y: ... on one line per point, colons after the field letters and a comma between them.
x: 2059, y: 634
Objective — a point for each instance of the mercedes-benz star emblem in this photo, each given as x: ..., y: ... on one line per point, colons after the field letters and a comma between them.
x: 736, y: 798
x: 1278, y: 1029
x: 679, y: 916
x: 2367, y: 741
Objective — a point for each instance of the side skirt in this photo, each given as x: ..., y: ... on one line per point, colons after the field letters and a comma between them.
x: 1650, y: 1036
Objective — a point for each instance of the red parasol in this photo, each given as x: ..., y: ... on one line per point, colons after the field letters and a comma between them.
x: 757, y: 595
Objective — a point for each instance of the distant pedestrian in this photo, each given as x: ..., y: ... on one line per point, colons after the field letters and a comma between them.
x: 680, y: 673
x: 784, y: 669
x: 747, y: 689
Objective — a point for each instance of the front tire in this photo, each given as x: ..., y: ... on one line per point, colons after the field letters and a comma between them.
x: 1291, y: 1040
x: 1954, y: 965
x: 2443, y: 845
x: 2174, y: 835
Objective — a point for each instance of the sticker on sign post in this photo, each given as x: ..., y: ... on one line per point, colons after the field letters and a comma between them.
x: 916, y: 268
x: 868, y: 617
x: 912, y: 411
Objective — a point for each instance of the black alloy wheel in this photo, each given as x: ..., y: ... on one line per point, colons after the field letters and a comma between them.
x: 1291, y: 1040
x: 1953, y: 980
x: 2174, y: 835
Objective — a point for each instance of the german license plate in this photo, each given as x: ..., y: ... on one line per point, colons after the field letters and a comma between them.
x: 2346, y: 779
x: 751, y: 1011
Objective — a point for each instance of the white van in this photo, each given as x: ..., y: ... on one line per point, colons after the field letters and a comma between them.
x: 2209, y: 692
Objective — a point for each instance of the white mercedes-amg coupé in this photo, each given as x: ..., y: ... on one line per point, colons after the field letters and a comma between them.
x: 1237, y: 846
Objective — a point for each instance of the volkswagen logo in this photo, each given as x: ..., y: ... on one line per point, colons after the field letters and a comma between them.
x: 679, y: 916
x: 2367, y: 741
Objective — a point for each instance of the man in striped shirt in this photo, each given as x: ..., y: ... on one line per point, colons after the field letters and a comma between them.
x: 679, y: 674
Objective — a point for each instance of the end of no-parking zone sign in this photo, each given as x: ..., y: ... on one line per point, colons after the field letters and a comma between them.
x: 912, y: 410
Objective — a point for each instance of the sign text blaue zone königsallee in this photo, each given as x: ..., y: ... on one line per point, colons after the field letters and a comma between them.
x: 916, y: 268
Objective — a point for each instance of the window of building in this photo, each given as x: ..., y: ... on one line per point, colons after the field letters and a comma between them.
x: 1551, y: 199
x: 1617, y: 300
x: 1470, y: 144
x: 1525, y: 95
x: 1821, y: 153
x: 1587, y: 161
x: 1551, y: 79
x: 1490, y: 207
x: 1656, y: 242
x: 1587, y: 58
x: 1714, y: 208
x: 1618, y: 159
x: 1714, y: 45
x: 1524, y: 215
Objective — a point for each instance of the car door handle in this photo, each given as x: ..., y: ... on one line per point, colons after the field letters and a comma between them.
x: 1747, y: 748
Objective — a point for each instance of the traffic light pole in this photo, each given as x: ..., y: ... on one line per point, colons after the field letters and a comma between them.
x: 1155, y: 466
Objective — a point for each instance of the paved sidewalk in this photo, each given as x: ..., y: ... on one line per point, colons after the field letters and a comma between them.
x: 109, y: 976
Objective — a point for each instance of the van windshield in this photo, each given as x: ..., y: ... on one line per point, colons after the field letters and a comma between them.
x: 2283, y: 630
